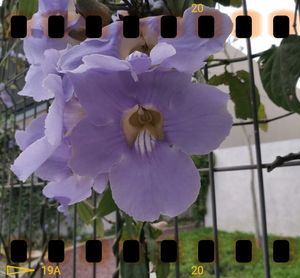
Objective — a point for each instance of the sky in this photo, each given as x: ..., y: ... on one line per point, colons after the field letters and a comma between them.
x: 265, y: 8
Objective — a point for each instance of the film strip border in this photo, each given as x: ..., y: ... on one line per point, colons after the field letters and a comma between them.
x: 168, y: 251
x: 206, y: 26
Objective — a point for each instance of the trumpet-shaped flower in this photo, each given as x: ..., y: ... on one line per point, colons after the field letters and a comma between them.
x: 43, y: 52
x: 123, y: 111
x: 142, y: 132
x: 51, y: 162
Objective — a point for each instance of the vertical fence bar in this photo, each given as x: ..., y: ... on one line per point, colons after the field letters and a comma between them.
x: 57, y: 233
x: 7, y: 177
x: 214, y: 213
x: 118, y: 228
x: 74, y: 240
x: 258, y: 155
x: 213, y: 201
x: 94, y: 229
x: 177, y: 265
x: 43, y: 217
x: 12, y: 157
x: 3, y: 205
x: 30, y: 222
x: 31, y: 205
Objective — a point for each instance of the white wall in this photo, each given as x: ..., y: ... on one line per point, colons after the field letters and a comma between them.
x: 282, y: 191
x: 282, y: 186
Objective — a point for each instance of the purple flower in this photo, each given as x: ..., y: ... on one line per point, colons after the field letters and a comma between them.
x: 43, y: 52
x: 47, y: 132
x: 123, y: 111
x: 186, y: 52
x: 38, y: 41
x: 35, y: 146
x: 51, y: 164
x: 37, y: 74
x: 142, y: 132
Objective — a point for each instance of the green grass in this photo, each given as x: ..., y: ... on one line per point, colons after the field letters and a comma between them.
x: 228, y: 266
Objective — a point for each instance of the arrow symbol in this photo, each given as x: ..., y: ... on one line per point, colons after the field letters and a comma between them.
x: 11, y: 270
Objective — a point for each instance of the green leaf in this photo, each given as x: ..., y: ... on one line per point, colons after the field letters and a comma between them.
x: 133, y: 270
x: 224, y: 2
x: 151, y: 234
x: 28, y: 7
x: 131, y: 229
x: 262, y: 116
x: 178, y: 7
x: 107, y: 204
x: 162, y: 270
x: 152, y: 249
x: 236, y: 3
x: 218, y: 80
x: 239, y: 87
x: 280, y: 71
x: 99, y: 227
x: 212, y: 3
x: 85, y: 212
x: 239, y: 91
x: 208, y: 3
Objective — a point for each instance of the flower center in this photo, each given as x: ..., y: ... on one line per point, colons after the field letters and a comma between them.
x: 142, y: 127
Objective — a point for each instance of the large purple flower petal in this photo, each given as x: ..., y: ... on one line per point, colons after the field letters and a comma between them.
x: 140, y: 62
x: 54, y: 120
x: 73, y: 58
x: 69, y: 191
x: 34, y: 85
x: 198, y: 121
x: 161, y: 52
x: 157, y: 88
x: 46, y: 6
x: 73, y: 114
x: 37, y: 42
x: 96, y: 148
x: 191, y: 51
x: 104, y: 95
x: 186, y: 52
x: 165, y: 182
x: 56, y: 167
x: 37, y: 73
x: 103, y: 62
x: 100, y: 183
x: 33, y: 132
x: 32, y: 158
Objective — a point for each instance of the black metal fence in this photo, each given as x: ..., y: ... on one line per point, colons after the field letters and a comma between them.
x: 36, y: 219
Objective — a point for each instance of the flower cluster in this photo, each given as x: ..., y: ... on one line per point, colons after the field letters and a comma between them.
x: 124, y: 114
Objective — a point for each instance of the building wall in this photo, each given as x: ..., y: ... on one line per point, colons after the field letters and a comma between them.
x: 233, y: 191
x: 282, y: 186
